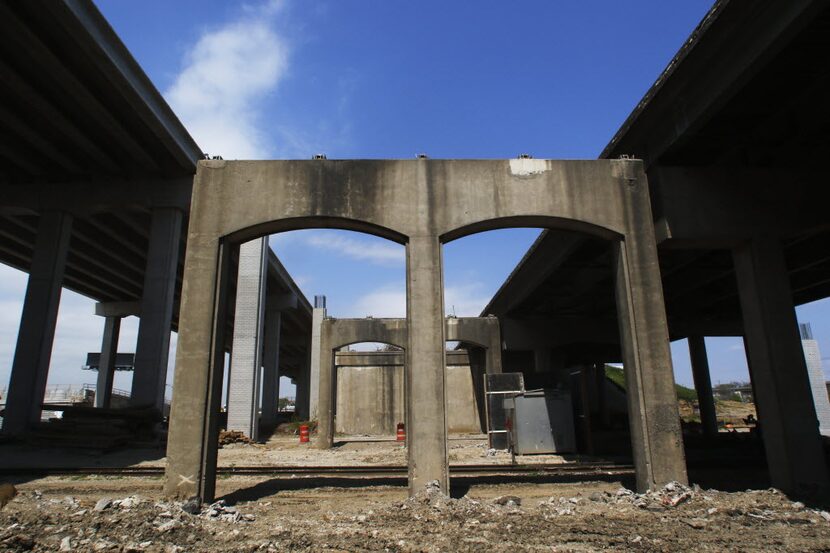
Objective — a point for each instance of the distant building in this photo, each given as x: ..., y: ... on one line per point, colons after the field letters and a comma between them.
x: 817, y: 380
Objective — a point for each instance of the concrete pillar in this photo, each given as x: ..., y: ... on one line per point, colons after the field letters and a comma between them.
x: 426, y: 426
x: 301, y: 401
x: 249, y: 318
x: 153, y: 346
x: 327, y: 392
x: 585, y: 408
x: 106, y: 365
x: 600, y: 382
x: 657, y: 442
x: 317, y: 317
x: 194, y: 416
x: 271, y: 366
x: 33, y: 353
x: 779, y: 373
x: 703, y: 385
x: 542, y: 360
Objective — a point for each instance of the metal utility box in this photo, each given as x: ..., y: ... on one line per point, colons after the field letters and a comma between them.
x: 540, y: 421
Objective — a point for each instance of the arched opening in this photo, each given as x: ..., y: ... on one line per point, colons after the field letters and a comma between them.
x: 309, y: 278
x: 552, y: 290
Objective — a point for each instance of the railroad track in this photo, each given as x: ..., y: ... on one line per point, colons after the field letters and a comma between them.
x: 572, y: 469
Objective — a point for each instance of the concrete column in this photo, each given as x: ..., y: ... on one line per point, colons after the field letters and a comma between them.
x: 33, y: 353
x: 602, y: 395
x: 657, y: 442
x: 585, y: 408
x: 271, y: 366
x: 302, y: 390
x: 541, y: 360
x: 153, y: 346
x: 200, y: 357
x: 327, y: 392
x: 703, y: 385
x: 426, y: 425
x: 244, y: 385
x: 779, y: 373
x: 106, y: 365
x: 317, y: 317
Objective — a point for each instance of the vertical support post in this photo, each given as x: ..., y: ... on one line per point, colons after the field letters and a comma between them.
x: 317, y: 316
x: 326, y: 390
x: 786, y: 411
x: 153, y: 346
x: 302, y: 390
x: 426, y: 365
x: 244, y: 384
x: 271, y: 366
x: 657, y: 442
x: 703, y: 385
x: 106, y: 365
x: 33, y: 352
x: 602, y: 395
x: 200, y: 358
x: 585, y: 404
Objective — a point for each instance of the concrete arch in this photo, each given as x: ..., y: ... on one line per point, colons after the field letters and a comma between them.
x: 314, y: 222
x: 420, y: 203
x: 530, y: 221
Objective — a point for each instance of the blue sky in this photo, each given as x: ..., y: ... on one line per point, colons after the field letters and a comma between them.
x: 385, y: 79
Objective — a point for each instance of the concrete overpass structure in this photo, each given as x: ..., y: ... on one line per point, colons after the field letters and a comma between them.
x: 732, y: 136
x: 95, y: 182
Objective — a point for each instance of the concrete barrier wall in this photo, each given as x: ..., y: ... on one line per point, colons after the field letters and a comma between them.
x: 370, y: 398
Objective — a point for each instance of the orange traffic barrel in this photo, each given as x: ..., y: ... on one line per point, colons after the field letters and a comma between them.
x: 401, y: 435
x: 303, y: 433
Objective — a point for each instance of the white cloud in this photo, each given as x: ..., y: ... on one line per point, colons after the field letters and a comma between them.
x: 390, y: 301
x: 226, y: 75
x: 374, y: 251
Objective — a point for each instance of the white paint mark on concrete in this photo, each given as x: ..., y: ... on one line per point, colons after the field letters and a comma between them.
x: 527, y: 167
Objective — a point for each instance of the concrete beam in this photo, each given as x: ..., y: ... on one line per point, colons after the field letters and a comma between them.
x: 118, y: 309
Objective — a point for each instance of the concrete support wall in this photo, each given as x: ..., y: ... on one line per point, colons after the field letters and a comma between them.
x: 153, y: 346
x: 249, y: 319
x: 703, y: 385
x: 317, y: 316
x: 106, y: 366
x: 370, y: 394
x: 779, y: 374
x: 271, y: 366
x: 30, y: 368
x: 422, y: 204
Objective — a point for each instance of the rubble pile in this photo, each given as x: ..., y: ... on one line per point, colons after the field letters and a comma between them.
x: 596, y: 518
x: 227, y: 437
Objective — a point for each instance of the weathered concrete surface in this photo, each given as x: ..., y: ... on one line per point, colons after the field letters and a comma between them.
x: 248, y: 331
x: 106, y: 367
x: 370, y: 393
x: 153, y: 346
x: 30, y: 367
x: 421, y: 203
x: 779, y: 372
x: 657, y: 442
x: 703, y: 385
x: 317, y: 316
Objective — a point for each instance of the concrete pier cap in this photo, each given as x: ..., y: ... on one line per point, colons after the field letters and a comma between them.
x: 421, y: 203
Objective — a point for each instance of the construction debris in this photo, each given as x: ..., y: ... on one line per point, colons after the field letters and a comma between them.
x: 227, y: 437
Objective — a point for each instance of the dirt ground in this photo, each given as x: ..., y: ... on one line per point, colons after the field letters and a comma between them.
x: 130, y: 514
x: 60, y: 514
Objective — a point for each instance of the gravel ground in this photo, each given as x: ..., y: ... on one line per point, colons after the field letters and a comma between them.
x: 130, y: 515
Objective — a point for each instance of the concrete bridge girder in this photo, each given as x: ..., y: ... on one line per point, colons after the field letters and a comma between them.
x: 422, y: 204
